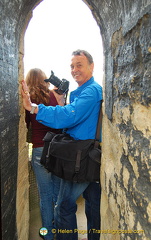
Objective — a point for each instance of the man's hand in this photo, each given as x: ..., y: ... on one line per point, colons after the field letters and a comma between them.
x: 25, y: 96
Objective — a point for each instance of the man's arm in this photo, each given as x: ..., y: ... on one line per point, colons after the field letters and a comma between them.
x: 70, y: 115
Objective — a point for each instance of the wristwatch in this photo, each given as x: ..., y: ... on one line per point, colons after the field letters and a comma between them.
x: 33, y: 107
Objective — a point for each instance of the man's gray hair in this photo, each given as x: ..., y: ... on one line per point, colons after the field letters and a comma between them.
x: 85, y: 53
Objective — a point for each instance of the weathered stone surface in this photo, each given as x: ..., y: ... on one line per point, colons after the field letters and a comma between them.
x: 126, y: 161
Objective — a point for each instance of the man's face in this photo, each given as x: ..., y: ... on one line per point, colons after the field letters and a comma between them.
x: 81, y: 69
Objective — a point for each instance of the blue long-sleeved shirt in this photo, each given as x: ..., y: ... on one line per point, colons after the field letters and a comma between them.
x: 80, y: 116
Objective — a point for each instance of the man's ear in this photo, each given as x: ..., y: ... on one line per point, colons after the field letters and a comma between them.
x: 92, y: 67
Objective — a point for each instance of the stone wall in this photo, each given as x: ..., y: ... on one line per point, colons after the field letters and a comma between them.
x: 14, y: 17
x: 126, y: 162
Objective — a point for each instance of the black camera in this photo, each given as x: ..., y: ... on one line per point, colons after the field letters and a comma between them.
x: 62, y: 85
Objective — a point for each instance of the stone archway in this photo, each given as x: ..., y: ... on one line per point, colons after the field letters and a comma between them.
x: 125, y: 172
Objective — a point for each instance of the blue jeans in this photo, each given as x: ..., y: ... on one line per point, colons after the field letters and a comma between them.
x: 65, y: 210
x: 92, y: 196
x: 48, y: 188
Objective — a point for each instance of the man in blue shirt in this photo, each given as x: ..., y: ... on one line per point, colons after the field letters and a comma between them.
x: 80, y: 119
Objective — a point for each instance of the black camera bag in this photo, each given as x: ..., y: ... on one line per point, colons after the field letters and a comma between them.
x: 73, y: 160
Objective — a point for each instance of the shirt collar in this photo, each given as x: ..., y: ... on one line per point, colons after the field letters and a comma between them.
x: 87, y: 83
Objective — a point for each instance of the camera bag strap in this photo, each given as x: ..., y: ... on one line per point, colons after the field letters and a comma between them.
x: 98, y: 130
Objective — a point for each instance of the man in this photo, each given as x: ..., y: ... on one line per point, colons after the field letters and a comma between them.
x: 80, y: 119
